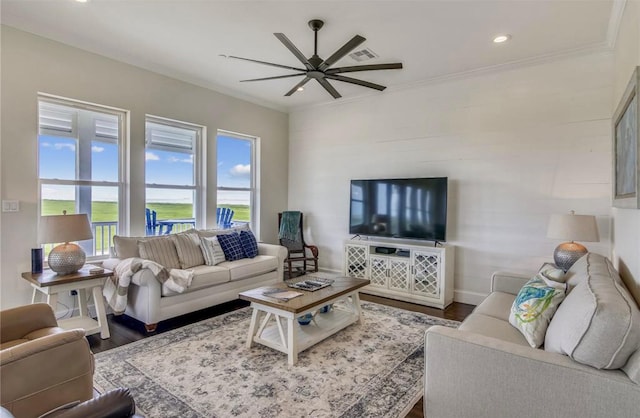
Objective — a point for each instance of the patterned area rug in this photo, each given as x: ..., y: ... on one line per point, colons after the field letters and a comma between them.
x: 205, y: 370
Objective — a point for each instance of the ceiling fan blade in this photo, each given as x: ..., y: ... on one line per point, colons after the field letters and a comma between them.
x: 328, y: 87
x: 274, y: 78
x: 297, y: 86
x: 371, y: 67
x: 294, y: 50
x: 355, y: 81
x: 267, y: 63
x: 344, y: 50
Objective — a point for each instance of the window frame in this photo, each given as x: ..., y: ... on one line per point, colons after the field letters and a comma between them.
x: 254, y: 179
x: 122, y: 141
x: 199, y: 164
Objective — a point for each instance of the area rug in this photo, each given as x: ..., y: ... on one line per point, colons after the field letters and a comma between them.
x: 205, y: 370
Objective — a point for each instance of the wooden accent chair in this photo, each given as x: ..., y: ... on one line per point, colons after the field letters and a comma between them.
x: 301, y: 257
x: 224, y: 217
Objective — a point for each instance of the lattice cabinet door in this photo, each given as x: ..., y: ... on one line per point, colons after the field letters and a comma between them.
x: 426, y: 273
x: 378, y: 271
x: 356, y: 261
x: 398, y: 274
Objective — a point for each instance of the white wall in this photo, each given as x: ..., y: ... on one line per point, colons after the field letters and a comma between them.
x: 626, y: 236
x: 517, y: 146
x: 32, y: 64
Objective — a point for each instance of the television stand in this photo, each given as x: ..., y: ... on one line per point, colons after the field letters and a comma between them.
x: 414, y: 272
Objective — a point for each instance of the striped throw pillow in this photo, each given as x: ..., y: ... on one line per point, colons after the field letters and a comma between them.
x: 231, y: 246
x: 212, y: 251
x: 188, y: 247
x: 161, y: 250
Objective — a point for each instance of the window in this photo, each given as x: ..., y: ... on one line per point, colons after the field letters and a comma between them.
x: 173, y: 167
x: 80, y: 166
x: 237, y: 176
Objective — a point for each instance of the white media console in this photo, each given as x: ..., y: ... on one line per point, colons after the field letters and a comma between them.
x: 409, y: 271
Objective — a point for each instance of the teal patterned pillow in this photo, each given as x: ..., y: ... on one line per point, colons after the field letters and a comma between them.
x: 534, y: 307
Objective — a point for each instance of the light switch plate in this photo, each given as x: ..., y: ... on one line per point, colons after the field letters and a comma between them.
x: 10, y: 206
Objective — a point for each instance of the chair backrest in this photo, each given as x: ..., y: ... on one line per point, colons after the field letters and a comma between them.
x: 152, y: 223
x: 293, y: 245
x: 224, y: 217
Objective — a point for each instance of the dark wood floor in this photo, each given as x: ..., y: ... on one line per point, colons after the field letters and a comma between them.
x: 125, y: 330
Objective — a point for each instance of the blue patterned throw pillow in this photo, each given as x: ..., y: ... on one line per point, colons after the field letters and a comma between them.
x: 534, y: 307
x: 249, y: 244
x: 231, y: 246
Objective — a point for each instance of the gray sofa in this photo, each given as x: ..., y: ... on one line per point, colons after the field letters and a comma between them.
x: 149, y: 302
x: 486, y: 368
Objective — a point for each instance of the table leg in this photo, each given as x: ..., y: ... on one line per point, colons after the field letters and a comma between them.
x: 98, y: 300
x: 252, y: 327
x: 292, y: 343
x: 52, y: 300
x: 82, y: 302
x: 356, y: 302
x: 34, y: 296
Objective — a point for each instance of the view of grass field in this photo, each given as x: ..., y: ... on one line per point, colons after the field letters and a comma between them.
x: 108, y: 212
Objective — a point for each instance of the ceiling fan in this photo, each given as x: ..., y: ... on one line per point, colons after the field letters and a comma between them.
x: 319, y: 69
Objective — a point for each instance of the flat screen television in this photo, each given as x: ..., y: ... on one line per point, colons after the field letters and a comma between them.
x: 414, y: 208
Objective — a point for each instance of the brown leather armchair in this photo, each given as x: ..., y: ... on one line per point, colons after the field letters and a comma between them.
x: 42, y: 366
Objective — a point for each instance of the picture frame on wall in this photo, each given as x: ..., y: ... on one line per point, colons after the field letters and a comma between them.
x: 626, y: 146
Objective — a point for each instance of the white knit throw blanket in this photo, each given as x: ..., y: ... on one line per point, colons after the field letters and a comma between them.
x: 116, y: 288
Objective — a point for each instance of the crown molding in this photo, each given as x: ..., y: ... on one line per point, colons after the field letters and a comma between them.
x: 615, y: 19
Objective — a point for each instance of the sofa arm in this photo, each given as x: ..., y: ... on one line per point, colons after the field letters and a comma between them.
x: 508, y: 282
x: 277, y: 251
x: 39, y: 375
x: 471, y: 375
x: 17, y: 322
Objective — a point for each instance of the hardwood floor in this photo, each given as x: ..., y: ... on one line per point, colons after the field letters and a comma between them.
x: 125, y: 330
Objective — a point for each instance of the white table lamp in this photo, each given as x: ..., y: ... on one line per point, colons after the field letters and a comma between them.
x: 571, y: 227
x: 68, y: 257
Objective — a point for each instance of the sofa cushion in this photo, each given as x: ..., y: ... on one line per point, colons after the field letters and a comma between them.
x: 211, y: 250
x: 250, y: 267
x: 492, y: 327
x: 496, y: 305
x: 249, y: 244
x: 203, y: 276
x: 598, y: 323
x: 126, y: 247
x: 632, y: 368
x: 161, y: 250
x: 188, y: 248
x: 231, y: 246
x: 534, y: 307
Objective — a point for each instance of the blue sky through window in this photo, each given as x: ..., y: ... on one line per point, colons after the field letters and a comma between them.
x: 57, y: 160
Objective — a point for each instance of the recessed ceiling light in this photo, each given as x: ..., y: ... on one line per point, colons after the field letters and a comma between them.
x: 300, y: 89
x: 501, y: 38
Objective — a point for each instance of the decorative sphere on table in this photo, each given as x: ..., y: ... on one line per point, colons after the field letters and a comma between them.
x: 305, y: 319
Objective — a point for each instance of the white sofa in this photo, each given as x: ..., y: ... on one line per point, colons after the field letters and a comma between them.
x: 486, y: 368
x: 150, y: 303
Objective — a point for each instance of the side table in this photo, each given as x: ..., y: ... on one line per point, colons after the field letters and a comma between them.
x: 50, y: 284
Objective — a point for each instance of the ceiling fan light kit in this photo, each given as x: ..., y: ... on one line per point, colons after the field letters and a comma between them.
x: 319, y: 69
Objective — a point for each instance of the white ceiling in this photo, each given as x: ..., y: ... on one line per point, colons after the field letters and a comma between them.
x: 433, y: 39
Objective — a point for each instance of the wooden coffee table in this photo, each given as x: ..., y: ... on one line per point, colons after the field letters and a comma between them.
x: 268, y: 314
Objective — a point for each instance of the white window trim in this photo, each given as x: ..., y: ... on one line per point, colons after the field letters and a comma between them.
x: 199, y: 162
x: 123, y: 117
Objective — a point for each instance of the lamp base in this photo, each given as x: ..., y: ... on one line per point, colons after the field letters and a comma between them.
x: 66, y: 258
x: 567, y: 253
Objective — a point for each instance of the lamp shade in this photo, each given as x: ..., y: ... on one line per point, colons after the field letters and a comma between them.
x: 64, y: 228
x: 573, y: 227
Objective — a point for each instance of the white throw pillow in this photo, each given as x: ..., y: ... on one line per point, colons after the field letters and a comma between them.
x: 552, y: 272
x: 211, y: 250
x: 534, y: 307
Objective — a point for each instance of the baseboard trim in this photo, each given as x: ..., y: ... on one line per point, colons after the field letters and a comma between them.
x: 466, y: 296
